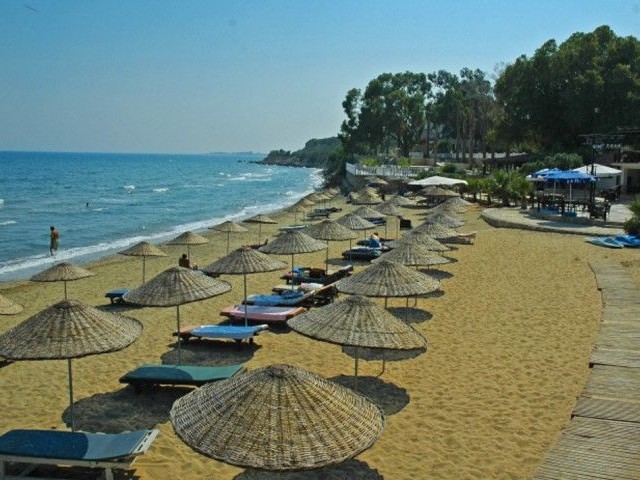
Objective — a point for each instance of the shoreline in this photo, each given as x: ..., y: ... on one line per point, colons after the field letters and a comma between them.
x: 509, y: 344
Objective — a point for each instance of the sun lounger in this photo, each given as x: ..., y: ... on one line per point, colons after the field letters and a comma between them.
x: 361, y: 253
x: 236, y: 333
x: 462, y: 238
x: 608, y: 242
x: 106, y: 451
x: 116, y: 295
x: 317, y: 275
x: 627, y: 240
x: 261, y: 313
x: 150, y: 375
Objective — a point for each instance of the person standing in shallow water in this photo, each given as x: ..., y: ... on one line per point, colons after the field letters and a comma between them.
x: 55, y: 239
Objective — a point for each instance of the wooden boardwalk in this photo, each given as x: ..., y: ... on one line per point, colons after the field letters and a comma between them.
x: 602, y: 440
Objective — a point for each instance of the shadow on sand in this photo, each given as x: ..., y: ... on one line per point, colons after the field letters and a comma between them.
x: 349, y: 469
x: 388, y: 396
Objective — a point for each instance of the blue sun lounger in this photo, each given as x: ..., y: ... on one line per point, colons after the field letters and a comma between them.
x: 106, y: 451
x: 237, y: 333
x: 155, y: 374
x: 116, y: 295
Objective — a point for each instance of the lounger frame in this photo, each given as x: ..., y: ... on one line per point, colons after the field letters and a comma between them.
x: 107, y: 466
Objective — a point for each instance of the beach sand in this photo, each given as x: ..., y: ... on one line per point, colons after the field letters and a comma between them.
x: 509, y: 343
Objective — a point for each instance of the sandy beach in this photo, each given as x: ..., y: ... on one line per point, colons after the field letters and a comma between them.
x: 509, y: 342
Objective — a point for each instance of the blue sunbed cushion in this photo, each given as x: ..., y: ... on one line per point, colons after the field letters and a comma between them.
x: 628, y: 240
x: 288, y: 297
x: 179, y: 374
x: 116, y: 293
x: 227, y: 331
x: 71, y: 445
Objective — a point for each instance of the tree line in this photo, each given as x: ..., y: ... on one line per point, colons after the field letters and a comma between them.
x: 540, y: 104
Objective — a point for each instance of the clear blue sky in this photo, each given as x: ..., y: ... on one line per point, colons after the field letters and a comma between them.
x: 196, y: 76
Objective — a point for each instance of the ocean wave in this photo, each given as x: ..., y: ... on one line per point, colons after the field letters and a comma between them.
x: 160, y: 190
x: 8, y: 222
x: 1, y: 201
x: 129, y: 187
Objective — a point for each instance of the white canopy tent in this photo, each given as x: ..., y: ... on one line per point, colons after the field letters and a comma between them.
x: 437, y: 180
x: 607, y: 177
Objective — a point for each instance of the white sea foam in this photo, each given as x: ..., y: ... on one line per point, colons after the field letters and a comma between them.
x: 1, y: 201
x: 129, y: 187
x: 8, y: 222
x: 160, y: 190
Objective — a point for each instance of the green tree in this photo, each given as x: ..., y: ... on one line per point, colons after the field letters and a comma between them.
x: 390, y: 113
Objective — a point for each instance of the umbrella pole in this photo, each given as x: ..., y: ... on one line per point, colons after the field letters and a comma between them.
x: 397, y: 228
x: 246, y: 317
x: 189, y: 252
x: 70, y: 394
x: 293, y: 274
x: 384, y: 361
x: 144, y: 262
x: 65, y: 289
x: 179, y: 338
x: 228, y: 235
x: 355, y: 378
x: 259, y: 234
x: 326, y: 261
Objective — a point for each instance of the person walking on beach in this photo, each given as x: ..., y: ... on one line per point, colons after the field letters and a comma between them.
x: 55, y: 239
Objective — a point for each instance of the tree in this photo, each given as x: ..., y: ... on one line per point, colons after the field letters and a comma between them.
x: 591, y: 82
x: 390, y: 113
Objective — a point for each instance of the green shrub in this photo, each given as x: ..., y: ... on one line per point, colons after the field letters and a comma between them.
x: 632, y: 226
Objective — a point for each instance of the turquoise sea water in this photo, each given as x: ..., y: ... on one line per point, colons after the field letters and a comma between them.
x: 103, y: 203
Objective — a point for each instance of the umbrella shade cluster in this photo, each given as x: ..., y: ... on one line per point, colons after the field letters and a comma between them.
x: 278, y: 418
x: 412, y: 254
x: 443, y: 219
x: 67, y: 330
x: 423, y: 239
x: 330, y: 231
x: 292, y: 242
x: 261, y: 219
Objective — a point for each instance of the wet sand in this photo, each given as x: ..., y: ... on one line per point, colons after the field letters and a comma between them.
x: 509, y: 343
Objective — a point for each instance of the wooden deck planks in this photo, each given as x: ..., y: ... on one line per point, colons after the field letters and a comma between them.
x: 602, y: 440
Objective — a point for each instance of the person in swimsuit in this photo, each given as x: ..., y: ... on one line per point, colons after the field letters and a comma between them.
x: 54, y: 240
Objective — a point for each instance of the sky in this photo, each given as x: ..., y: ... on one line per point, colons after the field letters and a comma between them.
x: 198, y: 76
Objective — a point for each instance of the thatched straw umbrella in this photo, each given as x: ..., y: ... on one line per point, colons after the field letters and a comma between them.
x: 412, y: 254
x: 174, y: 287
x: 67, y: 330
x: 292, y: 242
x: 436, y: 230
x: 423, y: 239
x: 388, y: 279
x: 62, y: 272
x: 144, y: 250
x: 444, y: 219
x: 188, y: 238
x: 355, y: 222
x: 243, y: 261
x: 330, y: 231
x: 277, y: 418
x: 229, y: 227
x: 260, y: 219
x: 401, y: 201
x: 358, y: 322
x: 390, y: 210
x: 9, y: 307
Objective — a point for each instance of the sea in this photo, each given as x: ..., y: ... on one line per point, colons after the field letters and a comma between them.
x: 102, y: 203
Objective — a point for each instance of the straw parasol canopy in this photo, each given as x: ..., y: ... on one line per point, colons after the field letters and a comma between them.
x: 388, y: 279
x: 304, y: 202
x: 188, y: 238
x: 355, y: 222
x: 292, y: 242
x: 229, y: 227
x: 435, y: 191
x: 358, y: 322
x: 62, y: 272
x: 330, y: 231
x: 436, y: 230
x: 144, y: 250
x: 260, y: 219
x: 69, y: 329
x: 444, y: 219
x: 9, y: 307
x: 390, y: 210
x: 423, y: 239
x: 243, y: 261
x: 368, y: 212
x: 174, y: 287
x: 412, y: 254
x: 455, y: 204
x: 277, y: 418
x: 296, y: 209
x: 401, y: 201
